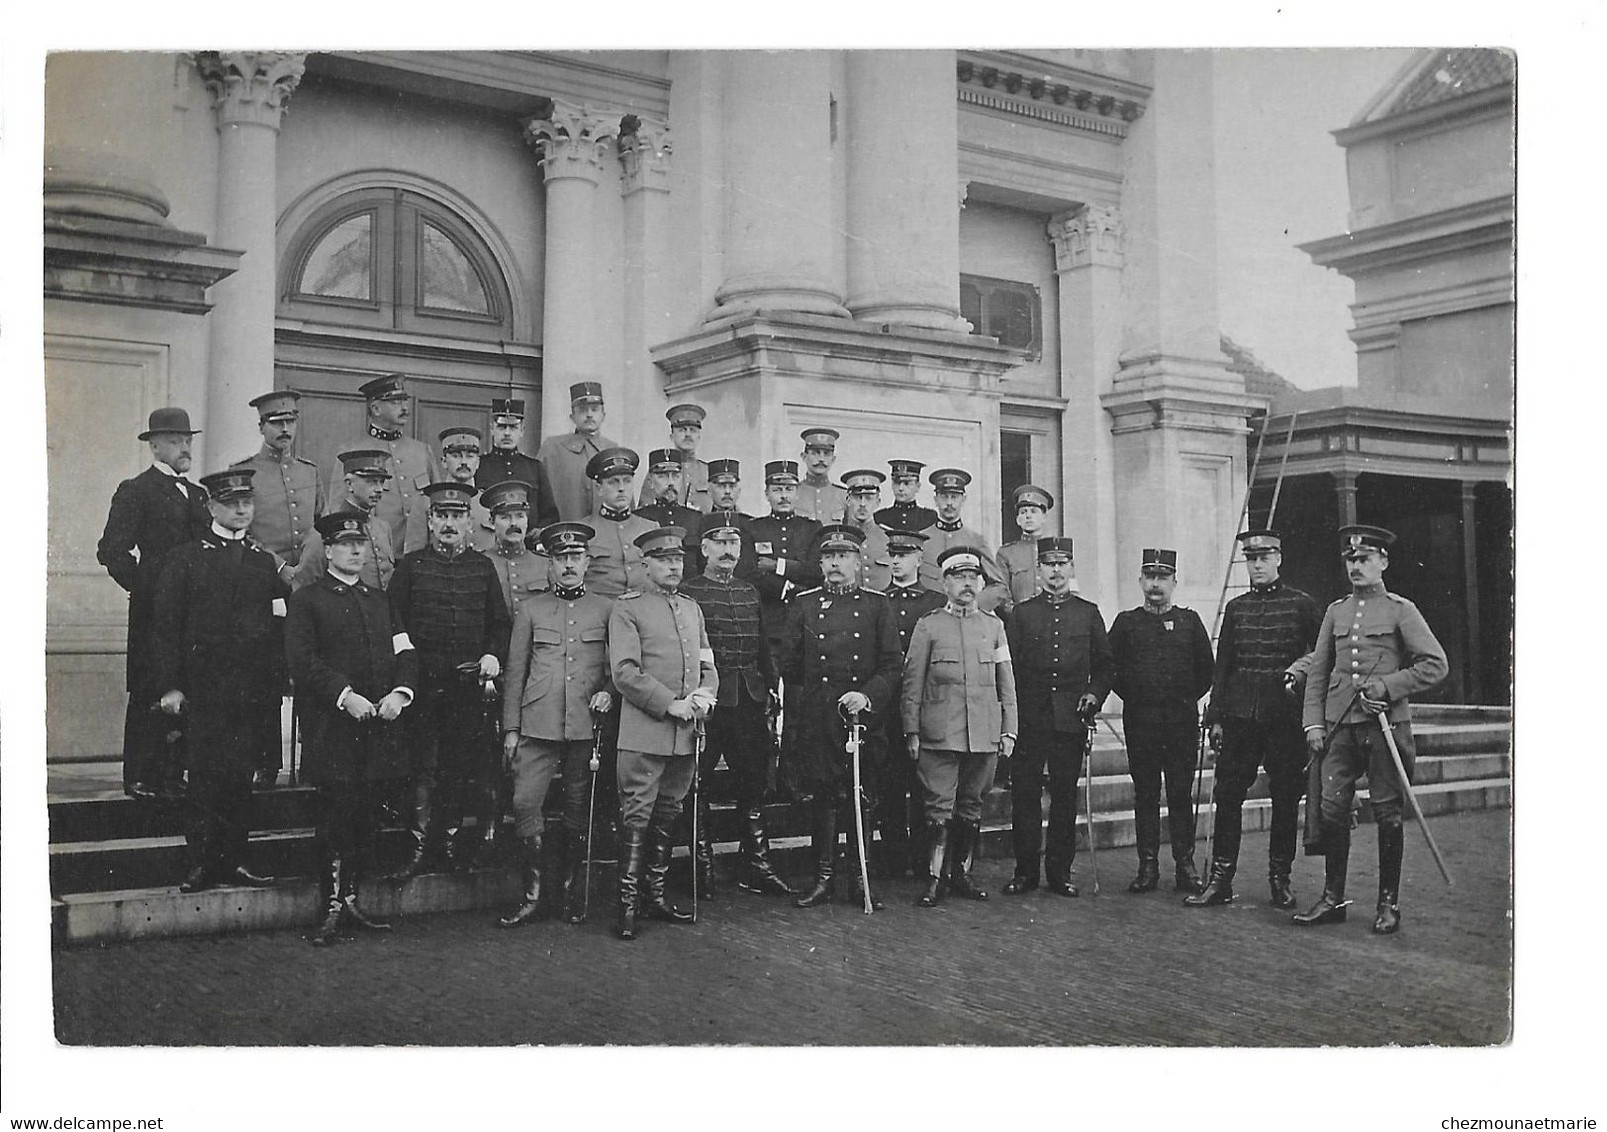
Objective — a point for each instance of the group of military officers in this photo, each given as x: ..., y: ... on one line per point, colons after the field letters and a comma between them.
x: 493, y: 618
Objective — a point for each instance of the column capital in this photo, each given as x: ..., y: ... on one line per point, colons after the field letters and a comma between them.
x: 1091, y: 235
x: 571, y: 140
x: 962, y: 191
x: 250, y: 88
x: 644, y: 156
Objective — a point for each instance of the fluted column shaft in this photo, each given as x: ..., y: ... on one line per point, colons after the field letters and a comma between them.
x: 903, y: 225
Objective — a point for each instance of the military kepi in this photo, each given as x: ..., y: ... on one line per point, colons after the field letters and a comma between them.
x: 665, y: 460
x: 662, y: 542
x: 1054, y: 550
x: 1159, y: 560
x: 582, y: 392
x: 230, y: 484
x: 450, y: 496
x: 721, y: 471
x: 781, y: 471
x: 506, y: 495
x: 1262, y: 540
x: 391, y: 387
x: 507, y: 410
x: 168, y: 420
x: 279, y: 405
x: 559, y: 537
x: 718, y: 523
x: 960, y: 559
x: 612, y: 462
x: 1358, y: 539
x: 840, y: 536
x: 342, y: 526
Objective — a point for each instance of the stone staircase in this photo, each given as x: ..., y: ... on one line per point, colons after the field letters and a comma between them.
x: 115, y: 862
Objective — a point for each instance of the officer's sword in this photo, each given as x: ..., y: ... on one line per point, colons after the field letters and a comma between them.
x: 591, y: 806
x: 1406, y: 788
x: 1088, y: 793
x: 856, y: 740
x: 699, y: 738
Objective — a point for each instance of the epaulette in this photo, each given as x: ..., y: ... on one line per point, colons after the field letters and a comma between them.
x: 628, y: 594
x: 1338, y: 601
x: 309, y: 463
x: 868, y: 590
x: 810, y: 590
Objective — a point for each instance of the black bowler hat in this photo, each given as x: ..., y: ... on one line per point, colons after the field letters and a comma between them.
x: 905, y: 542
x: 585, y: 391
x: 168, y: 420
x: 555, y: 538
x: 506, y: 495
x: 1358, y: 538
x: 612, y: 462
x: 372, y: 463
x: 781, y: 471
x: 449, y: 495
x: 391, y: 387
x: 1159, y: 560
x: 661, y: 542
x: 342, y: 526
x: 949, y: 479
x: 725, y: 470
x: 841, y: 536
x: 1050, y: 549
x: 279, y: 405
x: 230, y: 484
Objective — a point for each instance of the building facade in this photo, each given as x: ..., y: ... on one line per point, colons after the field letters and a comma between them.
x: 992, y: 260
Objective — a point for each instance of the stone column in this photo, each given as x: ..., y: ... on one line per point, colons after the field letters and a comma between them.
x: 1089, y: 254
x: 1345, y: 486
x: 571, y: 142
x: 778, y: 232
x: 644, y: 182
x: 903, y: 228
x: 249, y: 90
x: 1473, y: 686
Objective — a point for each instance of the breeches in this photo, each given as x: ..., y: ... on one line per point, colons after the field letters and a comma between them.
x: 953, y: 782
x: 534, y: 764
x: 1358, y: 749
x: 651, y: 787
x: 1248, y: 745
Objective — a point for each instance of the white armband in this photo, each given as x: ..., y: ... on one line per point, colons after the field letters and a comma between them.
x: 278, y: 607
x: 706, y: 656
x: 1001, y: 655
x: 340, y: 700
x: 400, y: 643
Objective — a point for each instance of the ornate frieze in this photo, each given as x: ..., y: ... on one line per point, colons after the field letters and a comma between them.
x: 1067, y: 104
x: 1090, y: 235
x: 250, y: 87
x: 644, y: 155
x: 572, y: 139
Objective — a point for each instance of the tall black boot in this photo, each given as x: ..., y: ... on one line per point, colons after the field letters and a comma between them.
x: 328, y: 931
x: 661, y: 845
x: 1218, y: 885
x: 632, y: 855
x: 937, y: 844
x: 851, y: 859
x: 348, y: 901
x: 530, y: 874
x: 1184, y: 878
x: 1149, y: 872
x: 703, y: 851
x: 1330, y: 909
x: 963, y: 838
x: 1391, y: 848
x: 758, y: 874
x: 1278, y: 869
x: 823, y: 843
x: 420, y: 829
x: 575, y: 885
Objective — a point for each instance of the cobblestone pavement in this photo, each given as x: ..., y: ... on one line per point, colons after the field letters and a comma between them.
x: 1034, y: 970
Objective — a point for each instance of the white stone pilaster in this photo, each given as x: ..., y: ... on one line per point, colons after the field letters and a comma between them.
x: 572, y: 142
x: 644, y: 182
x: 249, y: 90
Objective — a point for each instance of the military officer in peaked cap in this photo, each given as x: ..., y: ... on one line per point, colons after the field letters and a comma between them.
x: 1254, y: 716
x: 725, y: 494
x: 737, y: 730
x: 899, y: 798
x: 412, y: 465
x: 1374, y: 651
x: 664, y: 669
x: 1064, y: 672
x: 151, y: 515
x: 616, y: 562
x: 355, y: 670
x: 557, y: 688
x: 449, y: 601
x: 686, y: 430
x: 864, y: 488
x: 782, y: 544
x: 818, y: 497
x: 1163, y: 667
x: 366, y: 472
x: 460, y: 459
x: 522, y: 571
x: 568, y: 456
x: 1019, y: 559
x: 215, y: 604
x: 948, y: 485
x: 663, y: 487
x: 840, y: 656
x: 905, y: 513
x: 504, y: 462
x: 958, y: 706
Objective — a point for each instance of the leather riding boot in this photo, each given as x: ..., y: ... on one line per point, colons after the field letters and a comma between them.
x: 937, y: 843
x: 632, y: 854
x: 348, y: 900
x: 703, y: 851
x: 758, y: 874
x: 530, y: 875
x: 963, y: 839
x: 1218, y: 886
x: 1391, y: 848
x: 1184, y: 878
x: 419, y: 828
x: 1330, y: 908
x: 328, y: 931
x: 1149, y: 872
x: 575, y: 885
x: 1278, y: 880
x: 823, y: 843
x: 851, y: 860
x: 661, y: 845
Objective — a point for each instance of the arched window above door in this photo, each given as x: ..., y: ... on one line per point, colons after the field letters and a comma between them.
x: 396, y: 260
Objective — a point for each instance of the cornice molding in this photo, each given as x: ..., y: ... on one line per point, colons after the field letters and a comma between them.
x: 1071, y: 99
x: 1415, y: 238
x: 121, y: 263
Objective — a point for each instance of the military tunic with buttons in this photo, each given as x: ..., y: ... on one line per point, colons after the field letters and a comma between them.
x: 821, y: 500
x: 1018, y: 562
x: 959, y: 689
x: 404, y: 505
x: 938, y: 539
x: 788, y: 539
x: 523, y: 574
x: 376, y: 571
x: 909, y: 516
x: 557, y: 660
x: 616, y: 563
x: 565, y: 458
x: 289, y: 497
x: 875, y: 572
x: 659, y: 652
x: 497, y: 466
x: 836, y: 642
